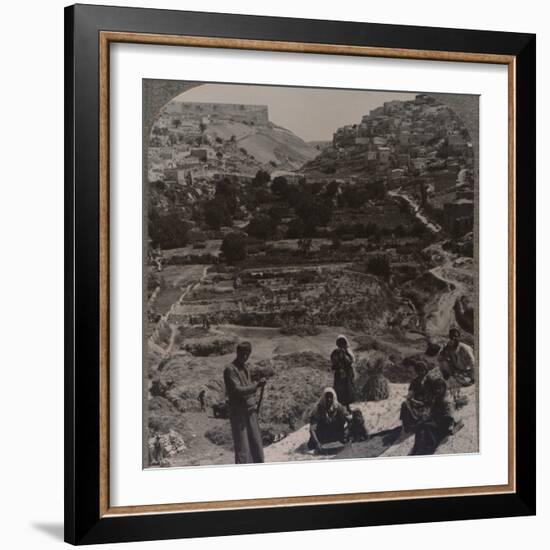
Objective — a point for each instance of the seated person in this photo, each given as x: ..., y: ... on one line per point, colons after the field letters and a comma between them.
x: 415, y: 408
x: 440, y: 423
x: 458, y: 359
x: 357, y: 430
x: 328, y: 422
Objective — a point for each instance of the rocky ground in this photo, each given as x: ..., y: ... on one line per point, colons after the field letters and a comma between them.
x: 383, y: 424
x: 291, y: 297
x: 381, y: 420
x: 297, y: 369
x: 185, y: 359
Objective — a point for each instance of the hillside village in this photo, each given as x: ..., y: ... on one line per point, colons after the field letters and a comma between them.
x: 256, y: 234
x: 195, y: 144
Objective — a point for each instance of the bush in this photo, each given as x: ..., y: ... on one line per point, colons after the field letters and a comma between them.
x: 167, y: 230
x: 306, y: 278
x: 261, y: 178
x: 379, y: 266
x: 234, y: 247
x: 400, y: 231
x: 296, y: 229
x: 278, y: 212
x: 220, y: 435
x: 279, y: 186
x: 205, y: 347
x: 418, y: 230
x: 226, y: 193
x: 216, y: 213
x: 261, y: 227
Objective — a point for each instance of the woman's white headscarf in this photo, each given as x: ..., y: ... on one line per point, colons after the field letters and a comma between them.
x: 322, y: 404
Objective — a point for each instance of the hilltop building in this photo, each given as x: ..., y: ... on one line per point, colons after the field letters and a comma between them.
x: 206, y: 113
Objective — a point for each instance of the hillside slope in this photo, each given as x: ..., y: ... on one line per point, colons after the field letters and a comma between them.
x: 382, y: 422
x: 269, y: 145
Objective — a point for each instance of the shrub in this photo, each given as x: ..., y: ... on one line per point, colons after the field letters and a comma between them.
x: 379, y: 266
x: 295, y: 229
x: 167, y: 230
x: 234, y: 247
x: 306, y: 277
x: 261, y: 227
x: 216, y: 213
x: 209, y: 346
x: 220, y: 435
x: 279, y: 186
x: 261, y: 178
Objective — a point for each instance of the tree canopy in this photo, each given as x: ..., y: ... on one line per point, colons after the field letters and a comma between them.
x: 279, y: 186
x: 216, y: 213
x: 234, y: 247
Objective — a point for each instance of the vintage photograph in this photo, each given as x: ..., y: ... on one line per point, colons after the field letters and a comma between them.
x: 310, y: 279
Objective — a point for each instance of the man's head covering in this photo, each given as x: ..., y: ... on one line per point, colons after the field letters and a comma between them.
x: 421, y: 366
x: 244, y: 347
x: 452, y: 331
x: 432, y: 350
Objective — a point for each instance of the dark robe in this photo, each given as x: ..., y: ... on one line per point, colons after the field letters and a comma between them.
x: 330, y: 425
x: 247, y: 437
x: 439, y: 425
x: 416, y: 407
x: 344, y: 376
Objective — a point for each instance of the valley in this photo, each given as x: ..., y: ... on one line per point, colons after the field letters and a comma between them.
x: 256, y: 235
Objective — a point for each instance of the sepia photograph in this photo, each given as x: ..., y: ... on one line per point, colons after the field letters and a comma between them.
x: 310, y: 273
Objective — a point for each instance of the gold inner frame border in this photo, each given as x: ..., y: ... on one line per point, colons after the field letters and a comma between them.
x: 108, y: 37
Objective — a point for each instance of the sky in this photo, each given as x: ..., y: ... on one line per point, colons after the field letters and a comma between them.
x: 311, y: 113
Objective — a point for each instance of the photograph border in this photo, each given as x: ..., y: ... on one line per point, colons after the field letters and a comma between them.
x: 88, y: 516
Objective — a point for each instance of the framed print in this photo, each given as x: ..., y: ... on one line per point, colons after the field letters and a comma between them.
x: 299, y: 274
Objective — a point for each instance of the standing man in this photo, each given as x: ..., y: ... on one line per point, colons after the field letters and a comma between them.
x: 202, y: 399
x: 460, y: 358
x: 241, y: 392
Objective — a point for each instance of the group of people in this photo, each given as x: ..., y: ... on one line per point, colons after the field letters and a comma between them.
x: 428, y: 410
x: 332, y: 417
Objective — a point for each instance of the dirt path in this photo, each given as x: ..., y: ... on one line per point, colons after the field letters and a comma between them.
x: 164, y: 319
x: 416, y: 210
x: 442, y: 314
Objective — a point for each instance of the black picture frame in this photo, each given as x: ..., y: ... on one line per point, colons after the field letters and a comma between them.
x: 84, y: 523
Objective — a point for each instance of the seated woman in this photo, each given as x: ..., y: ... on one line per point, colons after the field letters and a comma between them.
x: 440, y: 423
x: 328, y: 422
x: 415, y: 408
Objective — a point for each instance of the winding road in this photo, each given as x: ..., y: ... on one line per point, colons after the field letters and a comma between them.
x: 164, y: 319
x: 416, y: 210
